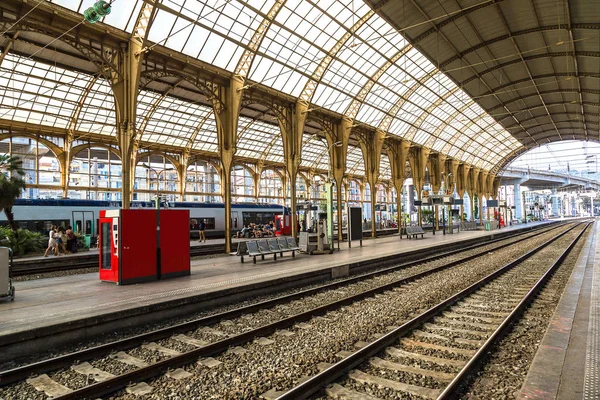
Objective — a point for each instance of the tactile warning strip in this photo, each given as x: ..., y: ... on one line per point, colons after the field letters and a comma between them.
x: 591, y: 385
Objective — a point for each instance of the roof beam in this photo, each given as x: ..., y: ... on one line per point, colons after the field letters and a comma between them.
x: 520, y: 53
x: 245, y: 62
x: 570, y: 29
x: 512, y: 35
x: 456, y: 51
x: 528, y: 58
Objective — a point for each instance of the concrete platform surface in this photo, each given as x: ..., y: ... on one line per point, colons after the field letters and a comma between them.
x: 567, y: 363
x: 47, y: 302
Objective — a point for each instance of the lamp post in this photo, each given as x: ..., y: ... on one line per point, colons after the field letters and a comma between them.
x: 157, y: 173
x: 330, y: 195
x: 158, y: 257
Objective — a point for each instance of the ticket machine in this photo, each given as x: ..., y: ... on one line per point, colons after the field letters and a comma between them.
x: 143, y: 245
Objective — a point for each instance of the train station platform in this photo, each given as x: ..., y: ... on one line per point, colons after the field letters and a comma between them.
x: 78, y: 307
x: 567, y: 362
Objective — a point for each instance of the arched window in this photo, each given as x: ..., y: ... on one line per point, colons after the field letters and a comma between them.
x: 151, y: 169
x: 41, y: 167
x: 270, y: 187
x: 95, y: 174
x: 202, y: 183
x: 242, y: 185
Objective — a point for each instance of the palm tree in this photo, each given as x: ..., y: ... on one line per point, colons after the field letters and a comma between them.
x: 11, y: 185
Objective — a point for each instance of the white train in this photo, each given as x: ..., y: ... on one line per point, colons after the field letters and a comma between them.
x: 39, y: 215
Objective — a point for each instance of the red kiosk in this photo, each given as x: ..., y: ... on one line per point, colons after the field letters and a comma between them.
x: 143, y: 245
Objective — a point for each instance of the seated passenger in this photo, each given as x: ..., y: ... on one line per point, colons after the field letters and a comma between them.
x: 267, y: 230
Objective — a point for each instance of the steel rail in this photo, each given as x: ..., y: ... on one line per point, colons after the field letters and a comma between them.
x: 464, y: 374
x: 121, y: 381
x: 336, y: 371
x: 17, y: 374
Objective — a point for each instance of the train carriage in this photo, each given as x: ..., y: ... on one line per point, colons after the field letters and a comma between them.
x: 39, y: 215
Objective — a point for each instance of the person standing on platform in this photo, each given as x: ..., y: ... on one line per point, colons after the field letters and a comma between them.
x: 52, y: 246
x: 201, y: 229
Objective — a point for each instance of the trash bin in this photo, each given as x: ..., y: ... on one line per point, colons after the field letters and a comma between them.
x: 87, y: 241
x: 488, y: 226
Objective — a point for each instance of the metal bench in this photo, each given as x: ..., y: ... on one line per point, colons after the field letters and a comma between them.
x: 254, y: 250
x: 265, y: 249
x: 292, y: 244
x: 284, y: 246
x: 242, y: 250
x: 414, y: 231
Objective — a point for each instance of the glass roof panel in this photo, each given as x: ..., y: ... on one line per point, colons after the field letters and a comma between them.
x: 314, y: 150
x: 355, y: 162
x: 39, y: 93
x: 98, y: 110
x: 173, y: 122
x: 255, y: 138
x: 385, y: 169
x: 123, y: 15
x: 210, y: 31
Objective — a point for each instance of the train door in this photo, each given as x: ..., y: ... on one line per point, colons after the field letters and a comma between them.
x: 235, y: 220
x: 83, y: 222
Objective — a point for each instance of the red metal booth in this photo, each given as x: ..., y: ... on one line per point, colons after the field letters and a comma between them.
x: 143, y: 245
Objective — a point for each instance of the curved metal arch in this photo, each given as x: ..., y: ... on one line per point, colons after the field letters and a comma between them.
x: 196, y: 131
x: 199, y: 157
x: 387, y: 120
x: 206, y: 88
x: 472, y: 121
x: 246, y: 167
x: 529, y: 58
x: 271, y: 168
x: 311, y: 85
x: 105, y: 66
x: 56, y: 150
x: 245, y: 63
x: 142, y: 129
x: 304, y: 177
x: 77, y: 149
x: 359, y: 99
x: 171, y: 159
x: 512, y: 35
x: 271, y: 106
x: 421, y: 118
x: 77, y: 110
x: 447, y: 122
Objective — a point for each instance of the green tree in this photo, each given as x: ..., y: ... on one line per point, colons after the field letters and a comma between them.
x: 11, y: 185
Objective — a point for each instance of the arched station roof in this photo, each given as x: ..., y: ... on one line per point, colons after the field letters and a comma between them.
x: 533, y: 65
x: 344, y: 58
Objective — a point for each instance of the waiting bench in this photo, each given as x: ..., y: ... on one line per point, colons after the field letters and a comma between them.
x: 414, y: 231
x: 255, y: 248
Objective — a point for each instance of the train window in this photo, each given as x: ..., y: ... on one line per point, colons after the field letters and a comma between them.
x: 209, y: 223
x: 106, y: 246
x: 88, y: 227
x: 78, y: 226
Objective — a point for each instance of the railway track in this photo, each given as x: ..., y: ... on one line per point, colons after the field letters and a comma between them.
x: 434, y: 354
x: 56, y: 264
x: 212, y: 341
